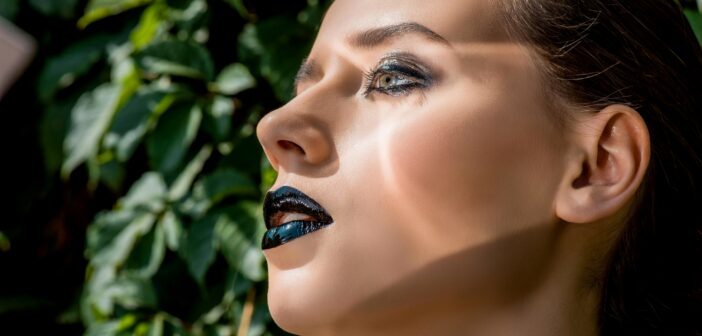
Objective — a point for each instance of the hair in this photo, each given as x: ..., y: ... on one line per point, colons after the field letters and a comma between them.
x: 642, y: 53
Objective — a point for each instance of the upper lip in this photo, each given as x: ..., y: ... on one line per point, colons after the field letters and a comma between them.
x: 288, y: 200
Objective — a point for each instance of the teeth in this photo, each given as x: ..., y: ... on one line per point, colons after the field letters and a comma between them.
x: 289, y: 217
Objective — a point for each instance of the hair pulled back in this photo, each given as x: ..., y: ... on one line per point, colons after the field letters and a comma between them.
x: 641, y: 53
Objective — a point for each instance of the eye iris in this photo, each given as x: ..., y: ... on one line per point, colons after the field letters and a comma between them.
x: 386, y: 80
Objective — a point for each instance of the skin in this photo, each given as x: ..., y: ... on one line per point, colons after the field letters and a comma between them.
x: 462, y: 207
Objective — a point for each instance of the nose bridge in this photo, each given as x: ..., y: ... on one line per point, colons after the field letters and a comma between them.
x: 298, y: 137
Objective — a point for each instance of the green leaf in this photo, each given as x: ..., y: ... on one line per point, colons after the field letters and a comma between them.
x: 62, y: 70
x: 100, y: 9
x: 223, y: 183
x: 172, y: 229
x: 695, y: 19
x: 246, y: 153
x: 218, y: 117
x: 127, y: 322
x: 182, y: 183
x: 148, y: 193
x: 105, y: 228
x: 152, y: 23
x: 9, y: 9
x: 171, y: 138
x: 156, y: 326
x: 240, y: 8
x: 112, y: 175
x: 199, y: 252
x: 89, y: 120
x: 268, y: 175
x: 112, y: 237
x: 147, y: 255
x: 103, y: 328
x: 312, y: 16
x: 97, y: 279
x: 64, y: 9
x: 131, y: 292
x: 259, y: 321
x: 125, y: 73
x: 261, y: 318
x: 178, y: 58
x: 141, y: 329
x: 235, y: 284
x: 212, y: 188
x: 128, y: 292
x: 179, y: 4
x: 275, y: 47
x: 175, y: 327
x: 134, y: 119
x: 234, y: 79
x: 4, y: 242
x: 52, y: 132
x: 191, y: 19
x: 239, y: 235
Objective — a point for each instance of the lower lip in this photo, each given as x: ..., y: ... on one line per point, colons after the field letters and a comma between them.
x: 288, y: 232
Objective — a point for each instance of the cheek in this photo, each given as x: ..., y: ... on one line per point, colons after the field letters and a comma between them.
x: 470, y: 172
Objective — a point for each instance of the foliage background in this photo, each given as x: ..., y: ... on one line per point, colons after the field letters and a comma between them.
x: 133, y: 173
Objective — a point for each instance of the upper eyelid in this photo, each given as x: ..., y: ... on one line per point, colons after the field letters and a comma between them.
x: 409, y: 70
x: 309, y: 69
x: 400, y: 55
x: 408, y: 60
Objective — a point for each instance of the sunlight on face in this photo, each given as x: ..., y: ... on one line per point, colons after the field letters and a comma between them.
x: 424, y: 132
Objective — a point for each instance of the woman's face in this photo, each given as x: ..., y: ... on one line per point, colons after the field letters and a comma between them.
x: 424, y: 132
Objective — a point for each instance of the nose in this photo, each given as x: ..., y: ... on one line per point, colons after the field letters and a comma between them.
x: 294, y: 139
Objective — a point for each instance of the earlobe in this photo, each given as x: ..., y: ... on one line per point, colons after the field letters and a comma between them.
x: 610, y: 156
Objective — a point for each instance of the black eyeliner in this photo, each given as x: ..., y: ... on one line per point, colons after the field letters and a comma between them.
x: 401, y: 64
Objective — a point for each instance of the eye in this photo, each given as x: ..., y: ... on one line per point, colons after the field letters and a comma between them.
x: 387, y: 81
x: 395, y: 76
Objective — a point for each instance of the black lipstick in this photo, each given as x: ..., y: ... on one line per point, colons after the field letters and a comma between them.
x: 290, y: 200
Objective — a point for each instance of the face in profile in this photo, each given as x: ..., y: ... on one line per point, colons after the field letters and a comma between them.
x: 418, y: 166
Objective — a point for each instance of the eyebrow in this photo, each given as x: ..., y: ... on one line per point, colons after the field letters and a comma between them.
x: 308, y: 70
x: 378, y: 36
x: 369, y: 39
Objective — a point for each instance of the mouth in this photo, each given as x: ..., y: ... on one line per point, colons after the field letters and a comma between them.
x: 290, y: 214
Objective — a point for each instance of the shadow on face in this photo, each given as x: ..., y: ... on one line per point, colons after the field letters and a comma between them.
x: 425, y: 133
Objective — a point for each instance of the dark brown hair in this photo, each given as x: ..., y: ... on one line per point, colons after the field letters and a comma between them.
x: 641, y: 53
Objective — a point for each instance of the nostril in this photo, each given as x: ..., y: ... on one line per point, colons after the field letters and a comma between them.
x: 289, y: 145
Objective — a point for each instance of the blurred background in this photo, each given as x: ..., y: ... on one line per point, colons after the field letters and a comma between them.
x: 132, y: 175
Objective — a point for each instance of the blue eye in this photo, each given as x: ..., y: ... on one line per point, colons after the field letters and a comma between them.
x: 395, y: 76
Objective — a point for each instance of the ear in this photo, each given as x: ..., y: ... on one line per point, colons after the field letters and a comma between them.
x: 610, y: 156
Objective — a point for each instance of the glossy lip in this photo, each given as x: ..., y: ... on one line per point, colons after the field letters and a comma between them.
x: 288, y: 200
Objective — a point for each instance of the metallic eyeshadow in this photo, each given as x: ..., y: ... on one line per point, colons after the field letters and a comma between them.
x: 402, y: 64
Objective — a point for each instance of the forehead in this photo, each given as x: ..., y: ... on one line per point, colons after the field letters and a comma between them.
x: 458, y: 21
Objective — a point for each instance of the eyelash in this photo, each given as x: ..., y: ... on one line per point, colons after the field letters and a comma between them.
x: 416, y: 77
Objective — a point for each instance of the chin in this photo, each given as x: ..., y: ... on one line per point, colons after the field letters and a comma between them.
x: 297, y: 307
x: 288, y: 317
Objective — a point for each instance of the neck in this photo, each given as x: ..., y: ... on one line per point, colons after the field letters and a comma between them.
x: 562, y: 302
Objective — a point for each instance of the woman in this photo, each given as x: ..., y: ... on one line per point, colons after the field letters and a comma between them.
x: 489, y: 168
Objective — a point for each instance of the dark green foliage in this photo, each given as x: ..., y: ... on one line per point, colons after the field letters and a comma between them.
x: 149, y: 111
x: 167, y: 100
